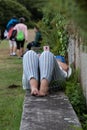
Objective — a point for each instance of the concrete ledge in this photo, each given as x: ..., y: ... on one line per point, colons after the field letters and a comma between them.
x: 53, y: 112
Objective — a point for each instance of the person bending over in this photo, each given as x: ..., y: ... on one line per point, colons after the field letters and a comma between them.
x: 37, y: 40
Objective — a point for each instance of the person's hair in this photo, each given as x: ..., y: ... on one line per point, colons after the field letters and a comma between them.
x: 14, y: 17
x: 21, y: 20
x: 36, y: 27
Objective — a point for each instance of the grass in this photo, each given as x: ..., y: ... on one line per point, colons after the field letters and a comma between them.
x: 11, y: 99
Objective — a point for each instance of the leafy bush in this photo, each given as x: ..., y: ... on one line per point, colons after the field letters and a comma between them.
x: 74, y: 92
x: 84, y: 120
x: 61, y: 44
x: 54, y: 32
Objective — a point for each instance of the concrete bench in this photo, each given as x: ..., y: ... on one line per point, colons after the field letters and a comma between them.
x: 53, y: 112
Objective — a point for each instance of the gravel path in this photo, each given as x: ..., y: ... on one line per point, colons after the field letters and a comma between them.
x: 31, y: 35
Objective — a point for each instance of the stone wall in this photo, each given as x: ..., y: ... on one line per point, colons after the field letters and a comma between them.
x: 77, y: 54
x: 83, y: 67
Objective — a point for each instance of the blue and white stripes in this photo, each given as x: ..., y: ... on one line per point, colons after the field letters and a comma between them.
x: 41, y: 67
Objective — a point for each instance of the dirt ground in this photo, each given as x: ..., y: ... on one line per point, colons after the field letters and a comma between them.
x: 31, y: 35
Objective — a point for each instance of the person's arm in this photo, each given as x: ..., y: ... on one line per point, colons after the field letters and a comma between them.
x: 64, y: 66
x: 26, y: 34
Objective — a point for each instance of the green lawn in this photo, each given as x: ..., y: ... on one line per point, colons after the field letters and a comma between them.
x: 11, y: 99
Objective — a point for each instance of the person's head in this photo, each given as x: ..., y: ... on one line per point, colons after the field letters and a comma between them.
x: 14, y: 17
x: 36, y: 28
x: 21, y: 20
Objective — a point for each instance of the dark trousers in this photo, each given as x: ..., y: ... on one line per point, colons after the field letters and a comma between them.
x: 32, y: 44
x: 20, y: 44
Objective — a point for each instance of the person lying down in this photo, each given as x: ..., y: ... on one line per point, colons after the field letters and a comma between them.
x: 39, y: 71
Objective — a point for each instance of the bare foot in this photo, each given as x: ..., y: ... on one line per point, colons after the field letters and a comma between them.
x: 42, y: 94
x: 43, y: 88
x: 34, y: 86
x: 34, y: 91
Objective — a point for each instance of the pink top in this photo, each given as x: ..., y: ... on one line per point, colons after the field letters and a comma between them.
x: 23, y: 27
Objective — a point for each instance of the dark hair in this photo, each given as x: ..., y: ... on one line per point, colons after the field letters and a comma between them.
x: 36, y: 27
x: 14, y: 17
x: 21, y: 20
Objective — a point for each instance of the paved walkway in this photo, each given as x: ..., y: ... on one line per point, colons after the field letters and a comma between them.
x: 31, y: 35
x: 53, y: 112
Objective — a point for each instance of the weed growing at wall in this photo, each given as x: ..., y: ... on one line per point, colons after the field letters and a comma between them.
x: 54, y: 32
x: 76, y: 97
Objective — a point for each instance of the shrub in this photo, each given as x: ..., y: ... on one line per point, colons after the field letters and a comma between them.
x: 75, y: 93
x: 54, y: 32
